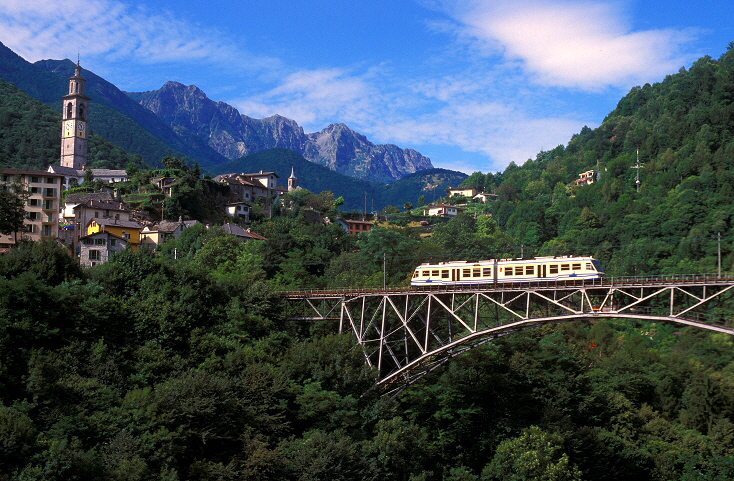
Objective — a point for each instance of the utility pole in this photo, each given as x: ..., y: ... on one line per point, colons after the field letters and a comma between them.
x: 638, y: 166
x: 384, y: 270
x: 719, y: 254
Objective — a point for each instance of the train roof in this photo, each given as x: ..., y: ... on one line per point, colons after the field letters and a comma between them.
x: 515, y: 260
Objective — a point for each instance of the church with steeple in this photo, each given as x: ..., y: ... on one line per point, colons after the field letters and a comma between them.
x: 74, y: 123
x: 74, y: 136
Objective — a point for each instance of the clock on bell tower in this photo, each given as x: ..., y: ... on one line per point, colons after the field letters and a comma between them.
x: 74, y: 123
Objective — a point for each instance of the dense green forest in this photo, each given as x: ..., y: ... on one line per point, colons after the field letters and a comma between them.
x: 179, y: 363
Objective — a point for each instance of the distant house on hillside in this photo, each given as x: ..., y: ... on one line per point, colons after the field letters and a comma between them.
x: 586, y: 178
x: 482, y: 197
x: 97, y: 248
x: 242, y: 234
x: 73, y: 200
x: 164, y: 230
x: 444, y: 210
x: 238, y: 209
x: 248, y: 187
x: 464, y: 191
x: 354, y: 226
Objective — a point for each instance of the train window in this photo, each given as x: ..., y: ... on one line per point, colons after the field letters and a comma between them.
x: 477, y: 272
x: 576, y: 267
x: 487, y: 272
x: 466, y: 272
x: 426, y: 273
x: 508, y: 271
x: 445, y: 274
x: 530, y: 270
x: 553, y: 268
x: 434, y: 273
x: 565, y: 267
x: 415, y: 274
x: 588, y: 266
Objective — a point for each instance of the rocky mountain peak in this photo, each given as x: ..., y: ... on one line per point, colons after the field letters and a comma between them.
x: 191, y: 113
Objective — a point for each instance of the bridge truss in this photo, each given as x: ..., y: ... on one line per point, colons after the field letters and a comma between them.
x: 406, y: 334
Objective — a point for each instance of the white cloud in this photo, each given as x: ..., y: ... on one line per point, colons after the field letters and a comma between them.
x: 38, y: 29
x: 569, y: 43
x: 312, y: 96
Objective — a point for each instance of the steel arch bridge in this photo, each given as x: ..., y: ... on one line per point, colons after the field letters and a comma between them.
x: 406, y: 333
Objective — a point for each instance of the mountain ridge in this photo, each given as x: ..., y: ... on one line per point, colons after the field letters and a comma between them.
x: 188, y: 110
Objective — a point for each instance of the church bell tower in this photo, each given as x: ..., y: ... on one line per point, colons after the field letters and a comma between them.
x: 74, y: 123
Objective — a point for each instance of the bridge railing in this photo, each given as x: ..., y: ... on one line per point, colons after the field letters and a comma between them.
x: 646, y: 281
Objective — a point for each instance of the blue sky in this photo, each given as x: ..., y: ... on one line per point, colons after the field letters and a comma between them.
x: 471, y: 84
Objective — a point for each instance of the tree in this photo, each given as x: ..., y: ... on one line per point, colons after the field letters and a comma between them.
x: 536, y: 455
x: 88, y: 177
x: 408, y: 206
x: 421, y: 201
x: 12, y: 211
x: 172, y: 163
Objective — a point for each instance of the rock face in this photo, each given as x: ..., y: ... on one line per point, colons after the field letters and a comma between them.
x: 190, y: 112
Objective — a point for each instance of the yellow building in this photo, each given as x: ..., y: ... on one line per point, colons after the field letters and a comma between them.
x: 124, y: 229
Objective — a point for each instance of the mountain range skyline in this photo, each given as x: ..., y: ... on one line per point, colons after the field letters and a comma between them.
x: 471, y: 85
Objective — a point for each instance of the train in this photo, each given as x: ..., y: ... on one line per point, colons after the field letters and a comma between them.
x: 506, y: 271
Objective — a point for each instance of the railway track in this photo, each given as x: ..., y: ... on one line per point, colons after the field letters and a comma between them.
x: 618, y: 282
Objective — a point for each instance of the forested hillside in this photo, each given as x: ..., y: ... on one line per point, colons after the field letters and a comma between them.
x: 684, y: 130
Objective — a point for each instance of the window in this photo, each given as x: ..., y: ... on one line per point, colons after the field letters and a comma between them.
x: 48, y: 204
x: 466, y: 272
x: 46, y: 231
x: 34, y: 190
x: 34, y: 202
x: 99, y: 242
x: 113, y: 242
x: 530, y: 270
x: 445, y: 274
x: 509, y: 271
x: 565, y: 267
x: 33, y: 215
x: 49, y: 217
x: 426, y: 273
x: 576, y: 267
x: 31, y: 228
x: 94, y: 255
x: 588, y: 266
x: 553, y: 268
x: 50, y: 180
x: 88, y: 241
x: 434, y: 273
x: 49, y: 192
x: 477, y: 272
x: 487, y: 272
x: 35, y: 179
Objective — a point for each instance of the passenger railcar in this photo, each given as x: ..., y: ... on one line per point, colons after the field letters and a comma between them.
x: 502, y: 271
